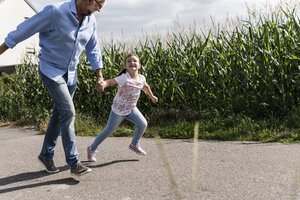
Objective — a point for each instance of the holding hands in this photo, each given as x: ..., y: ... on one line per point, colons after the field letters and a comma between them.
x: 100, y: 85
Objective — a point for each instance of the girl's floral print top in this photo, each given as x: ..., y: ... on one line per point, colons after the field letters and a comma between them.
x: 129, y: 91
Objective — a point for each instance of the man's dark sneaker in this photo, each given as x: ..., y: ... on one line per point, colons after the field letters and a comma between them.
x: 49, y: 164
x: 80, y: 169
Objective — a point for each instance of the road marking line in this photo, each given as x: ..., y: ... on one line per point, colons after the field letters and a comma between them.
x: 295, y: 186
x: 167, y: 166
x: 195, y: 161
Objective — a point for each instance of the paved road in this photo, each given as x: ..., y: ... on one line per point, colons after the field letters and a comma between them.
x: 218, y: 171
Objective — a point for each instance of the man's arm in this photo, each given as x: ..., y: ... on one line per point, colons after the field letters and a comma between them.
x: 40, y: 22
x: 99, y: 74
x: 99, y: 86
x: 3, y: 48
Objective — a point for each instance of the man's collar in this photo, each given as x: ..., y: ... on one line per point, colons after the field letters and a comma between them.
x: 73, y: 7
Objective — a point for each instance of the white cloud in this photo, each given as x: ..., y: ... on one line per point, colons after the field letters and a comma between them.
x: 130, y: 17
x: 132, y: 2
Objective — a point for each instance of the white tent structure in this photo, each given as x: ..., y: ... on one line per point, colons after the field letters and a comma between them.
x: 12, y: 13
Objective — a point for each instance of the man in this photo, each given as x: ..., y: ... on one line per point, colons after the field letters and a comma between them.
x: 65, y: 30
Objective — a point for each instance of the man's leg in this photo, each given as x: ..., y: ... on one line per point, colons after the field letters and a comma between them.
x: 63, y: 119
x: 51, y: 136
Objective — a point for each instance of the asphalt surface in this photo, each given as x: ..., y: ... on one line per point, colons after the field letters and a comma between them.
x: 172, y: 169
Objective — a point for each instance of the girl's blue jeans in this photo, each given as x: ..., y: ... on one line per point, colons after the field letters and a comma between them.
x: 114, y: 120
x: 61, y: 121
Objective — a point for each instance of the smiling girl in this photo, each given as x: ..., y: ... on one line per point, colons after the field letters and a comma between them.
x: 130, y: 83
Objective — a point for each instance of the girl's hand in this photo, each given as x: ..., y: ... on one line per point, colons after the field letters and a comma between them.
x: 154, y: 99
x: 100, y: 86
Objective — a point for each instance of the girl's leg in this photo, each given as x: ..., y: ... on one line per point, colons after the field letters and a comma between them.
x: 137, y: 118
x: 114, y: 121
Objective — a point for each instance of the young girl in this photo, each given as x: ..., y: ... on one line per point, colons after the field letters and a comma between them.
x: 130, y: 83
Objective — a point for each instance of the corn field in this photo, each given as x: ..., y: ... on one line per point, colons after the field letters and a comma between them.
x: 253, y: 69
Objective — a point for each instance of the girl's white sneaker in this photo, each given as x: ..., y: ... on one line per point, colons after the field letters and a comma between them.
x: 91, y: 154
x: 137, y: 149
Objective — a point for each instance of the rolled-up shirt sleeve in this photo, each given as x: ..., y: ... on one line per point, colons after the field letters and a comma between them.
x: 93, y: 51
x: 37, y: 23
x: 62, y: 40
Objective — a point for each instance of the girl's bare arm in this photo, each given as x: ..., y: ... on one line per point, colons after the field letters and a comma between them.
x: 104, y: 84
x: 148, y: 91
x: 109, y: 83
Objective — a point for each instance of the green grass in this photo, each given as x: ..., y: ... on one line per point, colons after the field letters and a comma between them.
x: 233, y: 128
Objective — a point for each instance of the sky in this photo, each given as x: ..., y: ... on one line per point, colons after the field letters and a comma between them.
x: 132, y: 18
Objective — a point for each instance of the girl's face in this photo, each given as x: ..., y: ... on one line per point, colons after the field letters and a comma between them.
x: 132, y: 64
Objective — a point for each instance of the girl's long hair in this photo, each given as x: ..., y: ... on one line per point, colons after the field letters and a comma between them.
x: 122, y: 72
x: 129, y: 55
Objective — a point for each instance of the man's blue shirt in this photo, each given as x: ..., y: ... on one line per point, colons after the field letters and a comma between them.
x: 62, y: 40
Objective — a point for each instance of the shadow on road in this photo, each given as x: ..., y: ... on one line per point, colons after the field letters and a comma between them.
x: 87, y: 163
x: 27, y: 176
x: 67, y: 181
x: 40, y: 174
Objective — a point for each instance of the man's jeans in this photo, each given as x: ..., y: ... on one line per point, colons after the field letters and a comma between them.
x: 114, y: 120
x: 61, y: 121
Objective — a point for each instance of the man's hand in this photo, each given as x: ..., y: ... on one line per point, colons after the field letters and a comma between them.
x: 3, y: 48
x: 101, y: 85
x: 99, y: 80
